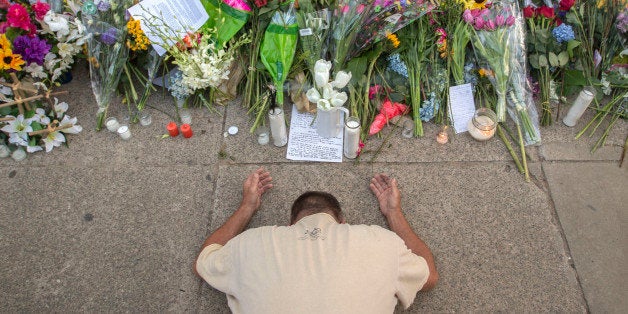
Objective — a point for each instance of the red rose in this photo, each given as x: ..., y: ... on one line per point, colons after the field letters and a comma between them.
x: 529, y: 12
x: 546, y: 12
x: 565, y: 5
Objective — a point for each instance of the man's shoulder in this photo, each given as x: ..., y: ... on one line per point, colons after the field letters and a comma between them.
x: 375, y: 231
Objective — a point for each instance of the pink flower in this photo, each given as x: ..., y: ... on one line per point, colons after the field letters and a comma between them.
x: 490, y: 25
x: 17, y: 16
x: 345, y: 9
x: 360, y: 8
x: 374, y: 91
x: 510, y: 21
x: 4, y: 4
x: 40, y: 9
x: 467, y: 16
x: 485, y: 12
x: 500, y: 20
x: 479, y: 23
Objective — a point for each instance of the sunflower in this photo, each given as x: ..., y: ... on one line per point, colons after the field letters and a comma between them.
x: 8, y: 59
x: 474, y: 4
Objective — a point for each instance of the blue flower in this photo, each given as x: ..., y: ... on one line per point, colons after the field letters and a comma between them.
x: 176, y: 87
x: 563, y: 33
x: 110, y: 36
x: 395, y: 64
x: 429, y: 108
x: 104, y: 5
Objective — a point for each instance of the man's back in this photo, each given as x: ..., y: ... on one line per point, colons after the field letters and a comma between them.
x: 316, y: 265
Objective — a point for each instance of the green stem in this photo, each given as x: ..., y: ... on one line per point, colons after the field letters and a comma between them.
x: 523, y: 153
x: 515, y: 158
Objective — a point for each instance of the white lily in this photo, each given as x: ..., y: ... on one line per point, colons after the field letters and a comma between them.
x: 321, y: 72
x: 323, y: 104
x: 75, y: 129
x: 60, y: 108
x: 339, y: 99
x: 341, y: 80
x: 33, y: 149
x: 54, y: 139
x: 17, y: 140
x: 40, y: 116
x: 313, y: 95
x: 19, y: 126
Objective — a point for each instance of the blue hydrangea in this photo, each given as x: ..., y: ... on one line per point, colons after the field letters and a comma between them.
x: 429, y: 107
x: 397, y: 65
x: 177, y: 89
x: 470, y: 76
x: 563, y: 33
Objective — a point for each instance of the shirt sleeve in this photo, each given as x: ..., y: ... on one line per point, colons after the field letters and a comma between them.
x: 214, y: 265
x: 412, y: 275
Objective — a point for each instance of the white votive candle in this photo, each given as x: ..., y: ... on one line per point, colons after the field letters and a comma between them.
x: 482, y: 125
x: 278, y: 127
x: 124, y: 132
x: 185, y: 115
x: 112, y: 124
x: 579, y: 106
x: 4, y: 151
x: 19, y: 154
x: 146, y: 119
x: 263, y: 137
x: 352, y: 137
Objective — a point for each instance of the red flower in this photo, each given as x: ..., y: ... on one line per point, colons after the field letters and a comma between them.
x: 529, y: 12
x: 260, y: 3
x: 17, y: 16
x: 546, y: 12
x: 4, y: 4
x: 40, y: 9
x: 565, y: 5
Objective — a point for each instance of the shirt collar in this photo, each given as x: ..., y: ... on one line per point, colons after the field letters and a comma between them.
x: 317, y: 219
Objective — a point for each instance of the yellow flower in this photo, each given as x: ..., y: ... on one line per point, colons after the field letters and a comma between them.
x: 9, y: 60
x: 393, y: 39
x: 600, y: 3
x: 4, y: 42
x: 137, y: 40
x: 485, y: 72
x: 473, y: 4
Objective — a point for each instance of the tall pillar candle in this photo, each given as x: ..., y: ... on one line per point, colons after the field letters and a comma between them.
x: 579, y: 106
x: 351, y: 137
x: 278, y: 127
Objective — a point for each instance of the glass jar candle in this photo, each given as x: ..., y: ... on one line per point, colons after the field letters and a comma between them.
x: 112, y: 124
x: 185, y: 115
x: 579, y: 106
x: 278, y: 127
x: 483, y: 124
x: 352, y: 137
x: 443, y: 136
x: 19, y: 154
x: 146, y: 119
x: 263, y: 137
x: 124, y: 132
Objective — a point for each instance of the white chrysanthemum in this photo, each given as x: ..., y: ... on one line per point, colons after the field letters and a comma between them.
x: 35, y: 70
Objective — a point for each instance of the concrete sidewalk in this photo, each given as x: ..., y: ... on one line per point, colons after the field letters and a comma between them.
x: 107, y: 225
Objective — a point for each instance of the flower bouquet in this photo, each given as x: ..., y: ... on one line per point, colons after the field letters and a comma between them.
x: 313, y: 31
x: 106, y: 45
x: 226, y: 18
x: 493, y: 41
x: 329, y: 102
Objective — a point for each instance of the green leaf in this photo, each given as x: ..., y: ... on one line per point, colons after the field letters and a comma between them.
x: 563, y: 58
x: 534, y: 61
x: 571, y: 45
x: 36, y: 126
x: 542, y: 61
x: 553, y: 59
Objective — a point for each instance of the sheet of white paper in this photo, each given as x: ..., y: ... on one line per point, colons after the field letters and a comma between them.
x: 305, y: 144
x: 165, y: 21
x: 461, y: 106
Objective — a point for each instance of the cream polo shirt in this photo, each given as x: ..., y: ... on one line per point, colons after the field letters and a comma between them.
x: 314, y: 266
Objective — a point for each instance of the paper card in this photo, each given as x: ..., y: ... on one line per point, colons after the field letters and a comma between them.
x: 166, y: 21
x: 305, y: 144
x: 305, y: 32
x: 461, y: 106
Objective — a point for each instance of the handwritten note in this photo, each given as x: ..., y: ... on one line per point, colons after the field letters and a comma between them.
x: 305, y: 144
x: 461, y: 106
x: 166, y: 21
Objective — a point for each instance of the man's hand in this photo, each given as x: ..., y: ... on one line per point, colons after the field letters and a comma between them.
x: 254, y: 186
x: 387, y: 193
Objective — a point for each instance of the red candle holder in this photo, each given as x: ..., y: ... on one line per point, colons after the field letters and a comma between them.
x: 186, y: 130
x: 173, y: 130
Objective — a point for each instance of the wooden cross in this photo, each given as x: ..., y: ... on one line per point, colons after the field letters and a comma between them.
x: 20, y: 91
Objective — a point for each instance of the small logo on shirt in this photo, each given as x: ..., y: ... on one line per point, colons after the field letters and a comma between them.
x: 313, y: 234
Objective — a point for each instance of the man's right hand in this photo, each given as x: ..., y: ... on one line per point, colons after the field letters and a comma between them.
x: 387, y: 193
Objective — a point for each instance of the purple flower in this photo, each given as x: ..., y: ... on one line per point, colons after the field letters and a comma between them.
x: 109, y: 37
x: 479, y: 23
x: 32, y: 49
x: 500, y: 20
x: 597, y: 58
x: 490, y: 25
x: 622, y: 22
x: 467, y: 16
x: 104, y: 5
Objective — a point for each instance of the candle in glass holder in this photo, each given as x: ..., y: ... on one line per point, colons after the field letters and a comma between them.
x: 19, y: 154
x: 185, y: 115
x: 4, y: 151
x: 186, y: 130
x: 262, y: 135
x: 112, y: 124
x: 443, y: 136
x: 146, y: 119
x: 278, y: 127
x: 579, y: 106
x: 352, y: 137
x: 482, y: 125
x: 124, y: 132
x: 173, y: 129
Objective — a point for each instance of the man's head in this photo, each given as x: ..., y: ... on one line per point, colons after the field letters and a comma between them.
x: 314, y: 202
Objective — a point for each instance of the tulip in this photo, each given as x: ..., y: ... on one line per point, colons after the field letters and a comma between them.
x: 500, y: 20
x: 467, y: 16
x: 321, y: 72
x: 328, y: 91
x: 323, y: 104
x: 510, y: 21
x: 313, y: 95
x: 339, y: 99
x: 341, y: 80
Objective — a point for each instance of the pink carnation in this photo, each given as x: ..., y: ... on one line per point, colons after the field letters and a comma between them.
x: 40, y: 9
x: 17, y: 16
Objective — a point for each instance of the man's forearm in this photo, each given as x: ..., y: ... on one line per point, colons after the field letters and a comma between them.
x: 399, y: 225
x: 231, y: 228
